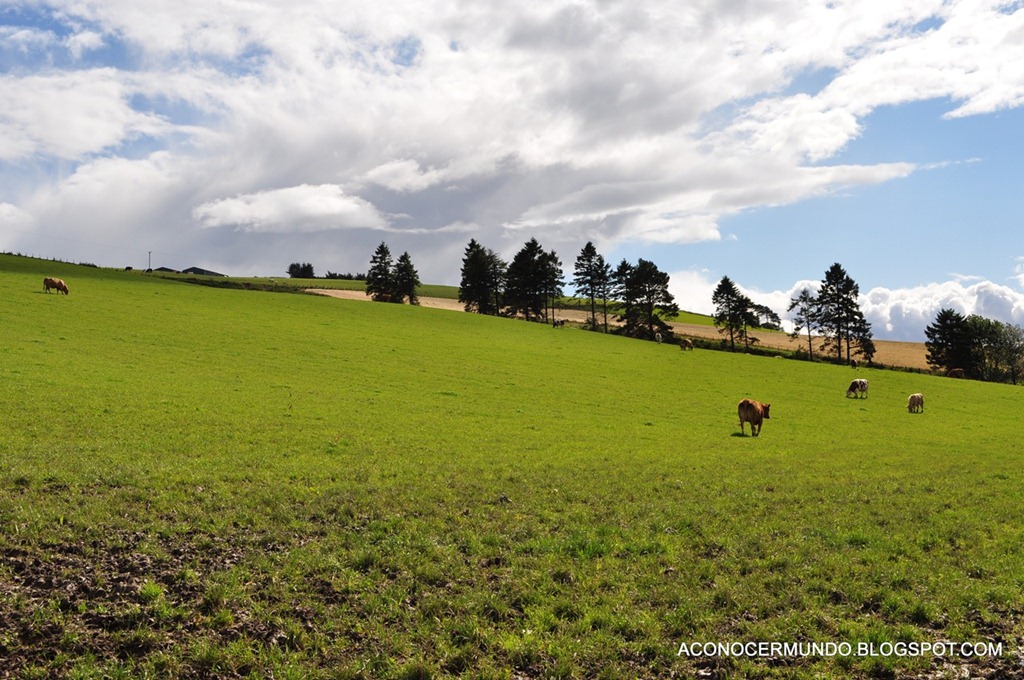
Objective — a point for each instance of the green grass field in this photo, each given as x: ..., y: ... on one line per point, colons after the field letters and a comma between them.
x: 202, y: 482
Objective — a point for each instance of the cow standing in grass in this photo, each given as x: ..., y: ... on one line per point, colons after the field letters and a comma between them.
x: 50, y: 282
x: 858, y: 386
x: 686, y: 344
x: 915, y: 403
x: 753, y: 412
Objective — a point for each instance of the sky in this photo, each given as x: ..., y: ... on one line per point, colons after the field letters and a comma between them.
x: 762, y: 140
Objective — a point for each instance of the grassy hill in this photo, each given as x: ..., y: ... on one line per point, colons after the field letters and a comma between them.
x: 199, y: 481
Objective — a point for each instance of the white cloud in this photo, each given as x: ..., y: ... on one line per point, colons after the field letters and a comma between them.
x: 894, y: 314
x: 405, y: 175
x: 69, y: 115
x: 83, y: 42
x: 692, y: 290
x: 13, y: 216
x: 903, y: 314
x: 302, y: 208
x: 570, y: 121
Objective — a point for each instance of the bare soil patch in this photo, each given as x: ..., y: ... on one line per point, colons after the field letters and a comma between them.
x: 888, y: 352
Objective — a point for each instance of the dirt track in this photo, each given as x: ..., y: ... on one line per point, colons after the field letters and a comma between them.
x: 908, y: 354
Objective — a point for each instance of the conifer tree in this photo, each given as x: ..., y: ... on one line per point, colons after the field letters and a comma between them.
x: 483, y: 279
x: 405, y: 281
x: 380, y: 277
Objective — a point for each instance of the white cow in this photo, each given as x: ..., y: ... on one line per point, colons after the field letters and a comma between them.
x: 858, y: 386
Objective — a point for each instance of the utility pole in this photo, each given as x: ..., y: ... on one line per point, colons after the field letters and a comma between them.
x: 150, y: 267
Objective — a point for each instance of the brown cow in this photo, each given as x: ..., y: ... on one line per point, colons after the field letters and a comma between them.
x: 955, y: 373
x: 685, y: 344
x: 753, y: 412
x: 50, y: 282
x: 915, y: 403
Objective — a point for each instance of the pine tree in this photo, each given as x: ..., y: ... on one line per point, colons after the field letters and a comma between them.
x: 805, y: 317
x: 622, y: 291
x: 648, y: 288
x: 553, y: 281
x: 405, y: 281
x: 527, y: 282
x: 380, y: 277
x: 732, y: 311
x: 483, y: 278
x: 591, y: 279
x: 948, y: 342
x: 839, y: 317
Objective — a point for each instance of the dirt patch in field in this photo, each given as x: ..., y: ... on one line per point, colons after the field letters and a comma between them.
x: 889, y: 353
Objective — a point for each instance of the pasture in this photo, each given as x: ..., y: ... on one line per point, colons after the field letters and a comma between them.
x: 202, y: 482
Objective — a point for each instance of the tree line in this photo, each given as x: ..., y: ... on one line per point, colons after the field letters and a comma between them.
x: 636, y: 296
x: 833, y: 316
x: 529, y: 286
x: 975, y: 347
x: 304, y: 270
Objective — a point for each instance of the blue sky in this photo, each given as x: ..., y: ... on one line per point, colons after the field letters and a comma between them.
x: 763, y: 140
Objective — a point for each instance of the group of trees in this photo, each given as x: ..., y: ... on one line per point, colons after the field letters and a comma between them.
x: 388, y: 281
x: 982, y: 348
x: 834, y: 315
x: 638, y: 296
x: 532, y: 282
x: 301, y: 270
x: 304, y: 270
x: 735, y: 313
x: 529, y: 285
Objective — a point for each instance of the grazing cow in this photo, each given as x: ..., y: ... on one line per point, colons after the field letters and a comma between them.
x: 50, y: 282
x: 915, y: 403
x: 753, y: 412
x: 858, y: 386
x: 686, y: 344
x: 558, y: 323
x: 955, y: 373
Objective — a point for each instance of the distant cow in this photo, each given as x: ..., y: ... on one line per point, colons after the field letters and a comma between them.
x: 853, y: 363
x: 657, y: 338
x: 558, y: 323
x: 915, y: 403
x: 753, y: 412
x: 59, y: 284
x: 685, y: 344
x: 955, y: 373
x: 858, y: 386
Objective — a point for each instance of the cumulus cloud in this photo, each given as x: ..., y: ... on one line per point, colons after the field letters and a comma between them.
x: 894, y: 313
x: 641, y: 123
x: 302, y: 208
x: 404, y: 175
x: 85, y: 41
x: 903, y: 314
x: 69, y: 115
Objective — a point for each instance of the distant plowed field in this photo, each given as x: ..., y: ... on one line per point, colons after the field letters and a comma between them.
x: 889, y: 353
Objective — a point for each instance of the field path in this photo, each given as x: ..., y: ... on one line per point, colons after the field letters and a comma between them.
x: 888, y: 352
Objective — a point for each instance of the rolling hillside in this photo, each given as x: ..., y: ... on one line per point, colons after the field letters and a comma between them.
x: 202, y: 482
